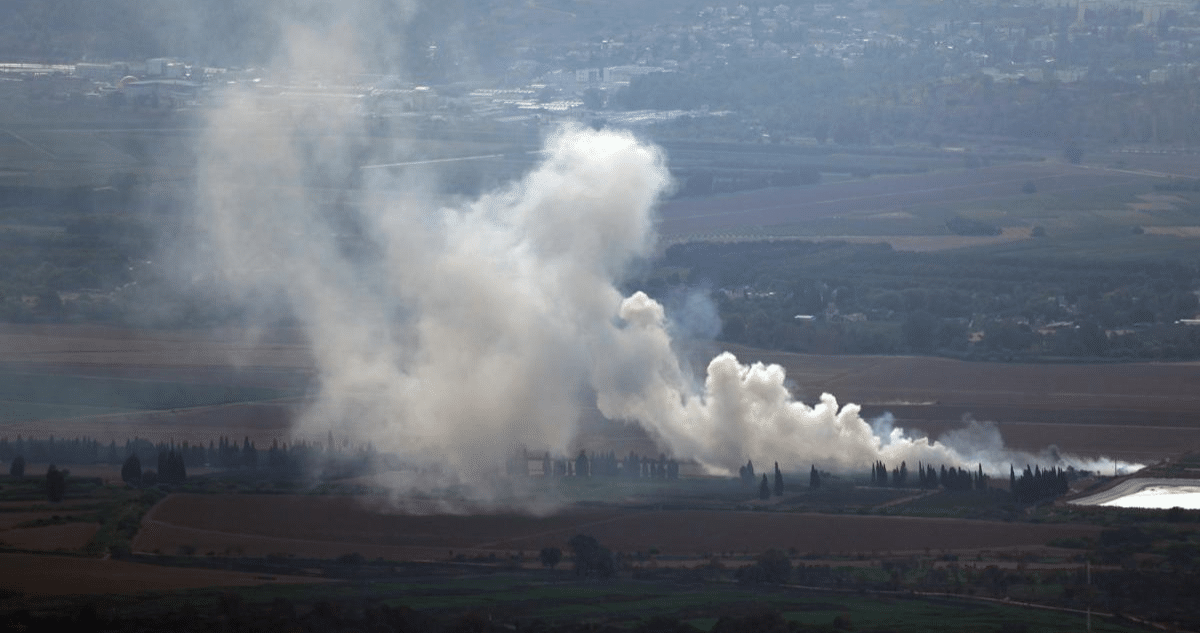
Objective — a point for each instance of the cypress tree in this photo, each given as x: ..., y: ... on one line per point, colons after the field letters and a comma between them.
x: 56, y: 483
x: 131, y: 470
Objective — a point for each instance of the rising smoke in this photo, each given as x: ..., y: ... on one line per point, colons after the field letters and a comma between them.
x: 453, y: 332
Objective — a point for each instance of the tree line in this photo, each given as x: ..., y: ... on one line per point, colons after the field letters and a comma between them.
x: 860, y: 298
x: 173, y: 458
x: 773, y: 487
x: 1038, y: 483
x: 929, y: 478
x: 604, y: 464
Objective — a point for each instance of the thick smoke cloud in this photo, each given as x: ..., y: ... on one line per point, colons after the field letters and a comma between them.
x: 481, y: 327
x: 469, y: 330
x: 452, y: 333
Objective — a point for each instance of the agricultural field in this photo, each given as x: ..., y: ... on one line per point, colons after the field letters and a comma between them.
x: 195, y: 385
x: 114, y: 383
x: 1079, y: 210
x: 424, y: 599
x: 117, y: 384
x: 678, y: 526
x: 1134, y: 411
x: 116, y: 351
x: 41, y: 575
x: 869, y: 198
x: 330, y: 526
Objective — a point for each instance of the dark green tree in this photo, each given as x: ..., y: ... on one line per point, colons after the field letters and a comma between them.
x: 778, y: 481
x: 771, y: 566
x: 550, y: 557
x: 776, y: 566
x: 171, y: 469
x: 131, y: 470
x: 591, y: 558
x: 249, y: 454
x: 814, y: 478
x: 764, y: 489
x: 56, y: 483
x: 920, y: 330
x: 17, y: 468
x: 581, y: 465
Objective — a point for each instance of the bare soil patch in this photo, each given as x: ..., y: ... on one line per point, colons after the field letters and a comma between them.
x: 9, y: 520
x: 61, y: 575
x: 1141, y: 411
x: 100, y: 346
x: 66, y: 536
x: 872, y: 196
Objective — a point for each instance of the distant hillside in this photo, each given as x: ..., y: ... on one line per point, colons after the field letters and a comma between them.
x: 235, y: 33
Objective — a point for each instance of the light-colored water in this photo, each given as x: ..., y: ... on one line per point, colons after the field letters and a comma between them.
x: 1148, y: 493
x: 1161, y: 497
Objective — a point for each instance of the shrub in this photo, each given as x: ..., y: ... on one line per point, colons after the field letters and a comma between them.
x: 550, y: 557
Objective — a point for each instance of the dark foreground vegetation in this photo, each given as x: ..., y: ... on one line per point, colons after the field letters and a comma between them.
x: 1140, y: 565
x: 443, y: 598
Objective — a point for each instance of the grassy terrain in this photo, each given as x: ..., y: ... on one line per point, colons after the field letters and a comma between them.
x: 1085, y: 213
x: 32, y: 488
x: 44, y: 396
x: 118, y: 510
x: 1119, y: 245
x: 11, y: 410
x: 556, y: 597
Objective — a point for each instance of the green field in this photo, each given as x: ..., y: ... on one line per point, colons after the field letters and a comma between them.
x: 558, y: 598
x: 26, y: 396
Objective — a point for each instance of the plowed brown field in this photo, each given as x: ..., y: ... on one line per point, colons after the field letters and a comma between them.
x: 62, y: 575
x: 1135, y: 411
x: 67, y: 537
x: 881, y: 194
x: 328, y: 526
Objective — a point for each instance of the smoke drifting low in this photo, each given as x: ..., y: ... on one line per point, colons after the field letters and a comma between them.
x: 452, y: 333
x: 480, y: 327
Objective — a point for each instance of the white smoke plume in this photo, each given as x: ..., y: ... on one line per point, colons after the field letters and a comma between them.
x: 481, y: 327
x: 456, y: 331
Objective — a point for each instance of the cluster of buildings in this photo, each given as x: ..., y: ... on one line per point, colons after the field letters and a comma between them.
x: 1153, y: 41
x: 1067, y: 41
